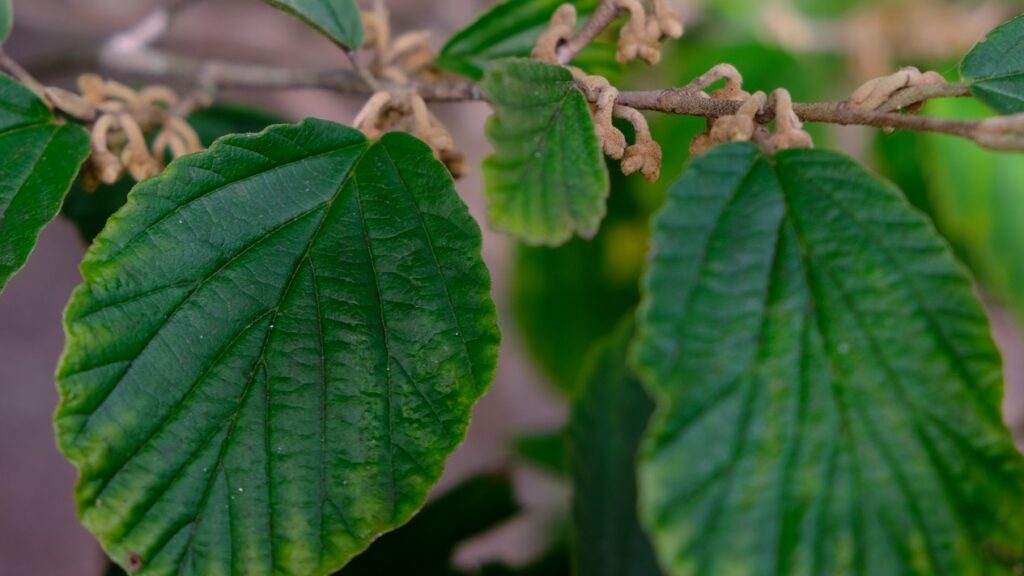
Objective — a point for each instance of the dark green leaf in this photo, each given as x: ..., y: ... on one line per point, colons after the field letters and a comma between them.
x: 994, y: 69
x: 91, y: 210
x: 544, y: 451
x: 554, y: 562
x: 608, y: 419
x: 547, y: 179
x: 278, y: 342
x: 974, y: 197
x: 38, y: 161
x: 425, y: 545
x: 567, y: 299
x: 511, y: 28
x: 339, y: 20
x: 6, y: 19
x: 828, y: 392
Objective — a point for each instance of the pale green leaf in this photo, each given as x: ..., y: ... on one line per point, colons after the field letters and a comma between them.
x: 38, y: 161
x: 339, y: 20
x: 278, y: 342
x: 511, y: 28
x: 994, y: 69
x: 608, y: 418
x: 6, y: 19
x: 828, y: 392
x: 547, y: 179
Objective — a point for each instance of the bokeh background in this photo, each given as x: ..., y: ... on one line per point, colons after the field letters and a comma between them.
x: 554, y: 304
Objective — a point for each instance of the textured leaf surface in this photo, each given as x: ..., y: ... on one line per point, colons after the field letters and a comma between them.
x: 38, y: 161
x: 339, y: 20
x: 994, y: 69
x: 827, y: 389
x: 973, y: 195
x: 547, y: 179
x: 6, y: 19
x: 90, y: 210
x: 511, y: 28
x: 278, y: 342
x: 608, y: 419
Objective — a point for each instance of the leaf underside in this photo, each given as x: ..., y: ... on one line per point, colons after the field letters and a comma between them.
x: 277, y: 344
x: 608, y: 418
x: 39, y: 159
x: 547, y: 179
x: 828, y: 392
x: 994, y: 69
x: 339, y: 20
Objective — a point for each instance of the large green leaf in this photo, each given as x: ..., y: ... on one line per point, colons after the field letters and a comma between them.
x: 828, y: 392
x: 994, y: 69
x: 973, y: 195
x: 6, y: 19
x: 90, y: 210
x: 339, y: 20
x: 38, y: 161
x: 426, y: 544
x: 278, y: 342
x: 547, y: 179
x: 608, y: 418
x: 511, y: 28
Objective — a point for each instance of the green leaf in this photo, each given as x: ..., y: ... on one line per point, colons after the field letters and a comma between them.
x: 569, y: 298
x: 339, y: 20
x: 511, y: 28
x: 974, y: 197
x: 544, y: 451
x: 40, y: 159
x: 426, y: 544
x: 278, y: 342
x: 6, y: 19
x: 547, y: 179
x: 90, y: 210
x: 608, y: 419
x: 828, y: 392
x: 994, y: 69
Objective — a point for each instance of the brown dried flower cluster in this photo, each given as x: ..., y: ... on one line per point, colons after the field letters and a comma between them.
x: 119, y: 119
x: 401, y: 62
x: 642, y: 35
x: 743, y: 125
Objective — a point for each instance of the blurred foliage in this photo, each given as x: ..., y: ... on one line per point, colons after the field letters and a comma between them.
x: 89, y: 211
x: 545, y: 451
x: 973, y: 195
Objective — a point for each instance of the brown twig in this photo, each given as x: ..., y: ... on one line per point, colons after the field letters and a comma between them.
x: 606, y: 13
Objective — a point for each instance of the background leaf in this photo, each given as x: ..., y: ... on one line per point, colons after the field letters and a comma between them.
x: 828, y: 391
x: 40, y: 159
x: 278, y: 342
x: 511, y: 28
x: 608, y: 418
x: 89, y: 211
x: 339, y: 20
x: 994, y: 69
x: 547, y: 179
x: 6, y: 19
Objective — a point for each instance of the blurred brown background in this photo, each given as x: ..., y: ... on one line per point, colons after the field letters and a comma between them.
x: 39, y: 534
